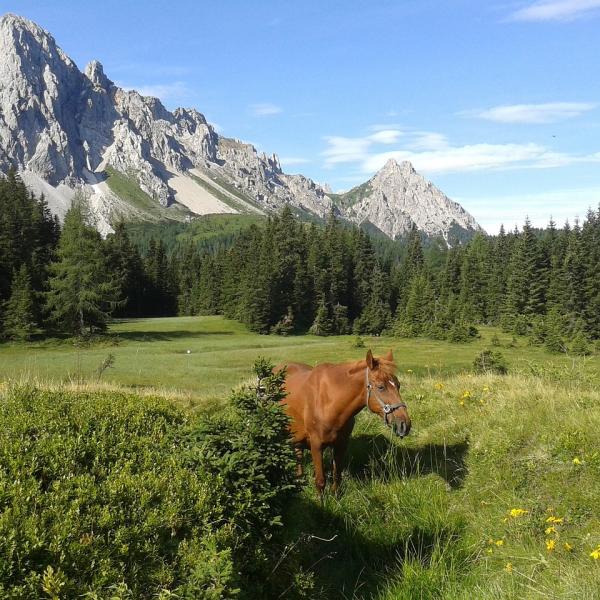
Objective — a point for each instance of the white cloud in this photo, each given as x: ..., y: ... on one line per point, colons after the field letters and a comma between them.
x: 432, y: 153
x: 291, y: 161
x: 265, y: 109
x: 385, y: 136
x: 175, y: 91
x: 549, y: 112
x: 345, y: 149
x: 428, y: 140
x: 556, y: 10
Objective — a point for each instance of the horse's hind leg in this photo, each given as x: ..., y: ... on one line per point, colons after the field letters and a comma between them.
x: 299, y: 450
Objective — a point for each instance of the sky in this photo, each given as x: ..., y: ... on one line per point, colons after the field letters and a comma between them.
x: 496, y: 102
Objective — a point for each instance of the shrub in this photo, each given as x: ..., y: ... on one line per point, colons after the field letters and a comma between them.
x: 462, y: 332
x: 118, y: 496
x: 580, y: 344
x: 489, y: 361
x: 285, y: 326
x: 358, y: 342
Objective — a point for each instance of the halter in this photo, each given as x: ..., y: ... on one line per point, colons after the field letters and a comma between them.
x: 388, y: 409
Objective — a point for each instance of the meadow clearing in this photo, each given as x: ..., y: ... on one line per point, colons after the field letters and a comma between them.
x: 495, y: 493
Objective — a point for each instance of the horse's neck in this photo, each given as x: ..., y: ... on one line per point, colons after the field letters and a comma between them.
x: 355, y: 398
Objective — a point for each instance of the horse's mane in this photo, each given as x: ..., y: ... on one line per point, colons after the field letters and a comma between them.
x: 387, y: 368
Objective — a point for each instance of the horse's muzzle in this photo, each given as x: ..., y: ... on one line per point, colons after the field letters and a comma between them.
x: 400, y: 428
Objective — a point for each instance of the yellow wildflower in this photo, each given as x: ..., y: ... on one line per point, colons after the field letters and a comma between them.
x: 556, y: 520
x: 550, y: 545
x: 576, y: 461
x: 595, y: 554
x: 499, y: 542
x: 461, y: 402
x: 490, y: 551
x: 550, y: 530
x: 487, y: 389
x: 466, y: 394
x: 439, y: 386
x: 568, y: 547
x: 517, y: 512
x: 508, y: 567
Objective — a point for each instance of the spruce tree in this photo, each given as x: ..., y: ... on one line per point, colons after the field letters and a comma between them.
x: 19, y: 314
x: 83, y: 291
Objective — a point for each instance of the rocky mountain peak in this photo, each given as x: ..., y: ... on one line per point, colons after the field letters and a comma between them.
x: 65, y: 130
x: 95, y: 73
x: 393, y: 168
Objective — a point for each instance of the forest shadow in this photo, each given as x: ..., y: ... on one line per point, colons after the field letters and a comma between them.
x: 166, y: 336
x: 375, y: 456
x: 346, y: 563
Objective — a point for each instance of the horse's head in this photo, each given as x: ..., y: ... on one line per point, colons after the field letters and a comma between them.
x: 383, y: 393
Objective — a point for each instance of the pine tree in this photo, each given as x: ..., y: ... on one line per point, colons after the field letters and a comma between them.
x: 83, y: 291
x: 323, y: 323
x: 126, y: 264
x: 19, y: 317
x: 376, y: 316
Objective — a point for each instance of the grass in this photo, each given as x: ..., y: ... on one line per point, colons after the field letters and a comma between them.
x: 425, y: 517
x: 128, y: 190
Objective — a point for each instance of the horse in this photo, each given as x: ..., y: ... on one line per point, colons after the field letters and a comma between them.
x: 322, y: 403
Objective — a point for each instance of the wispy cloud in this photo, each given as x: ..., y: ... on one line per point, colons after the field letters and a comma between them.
x: 174, y: 91
x: 292, y: 161
x: 556, y: 10
x: 549, y: 112
x: 432, y: 152
x: 265, y: 109
x: 385, y: 136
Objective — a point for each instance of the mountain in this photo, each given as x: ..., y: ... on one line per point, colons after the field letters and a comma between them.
x: 397, y: 198
x: 65, y: 130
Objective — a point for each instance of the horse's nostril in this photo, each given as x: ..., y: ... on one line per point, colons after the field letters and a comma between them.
x: 401, y: 428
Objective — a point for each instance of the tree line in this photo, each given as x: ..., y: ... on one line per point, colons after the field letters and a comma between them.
x: 285, y: 276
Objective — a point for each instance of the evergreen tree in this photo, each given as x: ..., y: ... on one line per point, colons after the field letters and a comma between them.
x: 126, y: 264
x: 83, y: 292
x: 376, y: 315
x: 19, y: 315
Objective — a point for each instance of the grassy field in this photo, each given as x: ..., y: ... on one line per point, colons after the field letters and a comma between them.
x: 495, y: 494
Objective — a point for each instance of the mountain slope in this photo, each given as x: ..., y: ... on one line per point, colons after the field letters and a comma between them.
x: 66, y: 131
x: 397, y: 198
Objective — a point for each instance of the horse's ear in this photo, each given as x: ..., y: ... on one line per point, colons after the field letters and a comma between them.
x: 389, y: 356
x: 371, y: 362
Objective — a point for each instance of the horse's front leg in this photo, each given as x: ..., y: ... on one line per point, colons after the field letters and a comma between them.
x: 299, y: 450
x: 317, y: 456
x: 339, y: 455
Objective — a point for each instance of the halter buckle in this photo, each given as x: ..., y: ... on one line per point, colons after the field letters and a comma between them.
x: 387, y: 409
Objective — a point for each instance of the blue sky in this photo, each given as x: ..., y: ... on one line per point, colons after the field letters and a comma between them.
x: 497, y: 102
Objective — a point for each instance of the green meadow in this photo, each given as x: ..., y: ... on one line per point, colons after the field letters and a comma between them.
x: 494, y: 494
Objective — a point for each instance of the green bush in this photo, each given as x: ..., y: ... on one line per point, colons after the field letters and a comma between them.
x: 489, y: 361
x: 118, y: 496
x: 462, y: 332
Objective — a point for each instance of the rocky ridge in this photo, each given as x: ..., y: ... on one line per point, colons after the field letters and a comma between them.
x: 65, y: 130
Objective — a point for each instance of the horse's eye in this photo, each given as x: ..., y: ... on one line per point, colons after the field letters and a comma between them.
x: 381, y: 388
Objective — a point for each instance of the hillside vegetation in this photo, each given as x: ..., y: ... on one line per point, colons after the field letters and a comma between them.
x: 493, y: 495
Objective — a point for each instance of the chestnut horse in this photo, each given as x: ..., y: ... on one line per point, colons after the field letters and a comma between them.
x: 322, y: 403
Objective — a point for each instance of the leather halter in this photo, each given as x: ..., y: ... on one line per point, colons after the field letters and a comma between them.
x: 388, y: 409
